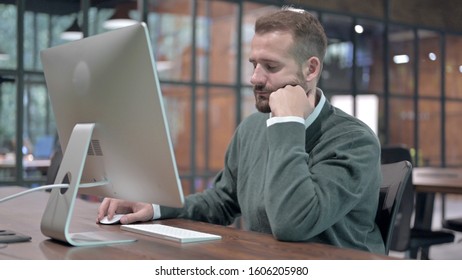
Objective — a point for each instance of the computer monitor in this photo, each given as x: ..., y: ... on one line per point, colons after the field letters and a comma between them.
x: 112, y: 127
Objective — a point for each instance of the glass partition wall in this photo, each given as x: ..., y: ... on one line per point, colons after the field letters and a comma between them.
x: 402, y: 80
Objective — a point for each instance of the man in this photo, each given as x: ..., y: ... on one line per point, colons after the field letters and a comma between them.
x: 299, y: 169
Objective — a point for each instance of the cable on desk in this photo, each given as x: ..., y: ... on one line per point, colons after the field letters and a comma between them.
x: 53, y: 186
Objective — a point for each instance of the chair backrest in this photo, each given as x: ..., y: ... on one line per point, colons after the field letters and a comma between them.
x: 395, y: 178
x: 402, y: 233
x: 43, y: 148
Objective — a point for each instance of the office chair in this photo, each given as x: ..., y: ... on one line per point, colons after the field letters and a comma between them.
x: 395, y: 177
x: 406, y: 239
x: 454, y: 224
x: 43, y: 148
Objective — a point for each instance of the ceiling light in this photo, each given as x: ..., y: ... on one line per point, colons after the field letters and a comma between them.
x: 4, y: 56
x: 164, y: 66
x: 120, y: 18
x: 359, y: 29
x: 432, y: 56
x: 73, y: 32
x: 401, y: 59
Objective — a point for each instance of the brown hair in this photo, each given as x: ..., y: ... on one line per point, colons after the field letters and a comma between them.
x: 308, y: 33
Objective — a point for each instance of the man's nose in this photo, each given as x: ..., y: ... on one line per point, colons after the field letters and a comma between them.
x: 258, y: 76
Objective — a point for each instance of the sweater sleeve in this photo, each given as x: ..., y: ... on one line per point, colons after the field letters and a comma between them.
x: 218, y: 205
x: 305, y: 195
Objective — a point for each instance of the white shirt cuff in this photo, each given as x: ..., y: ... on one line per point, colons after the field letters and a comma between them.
x: 156, y: 209
x: 275, y: 120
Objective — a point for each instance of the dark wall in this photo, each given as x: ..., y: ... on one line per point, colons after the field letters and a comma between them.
x: 439, y: 14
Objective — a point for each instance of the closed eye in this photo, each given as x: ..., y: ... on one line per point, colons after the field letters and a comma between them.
x: 272, y: 67
x: 269, y: 66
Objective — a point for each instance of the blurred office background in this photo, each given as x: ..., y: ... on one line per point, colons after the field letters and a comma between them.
x: 396, y: 64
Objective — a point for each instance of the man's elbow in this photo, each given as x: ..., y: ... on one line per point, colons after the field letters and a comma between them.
x: 288, y: 234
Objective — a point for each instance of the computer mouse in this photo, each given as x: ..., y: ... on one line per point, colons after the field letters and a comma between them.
x: 115, y: 219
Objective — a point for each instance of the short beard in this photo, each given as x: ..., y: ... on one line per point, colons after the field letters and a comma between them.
x: 262, y: 103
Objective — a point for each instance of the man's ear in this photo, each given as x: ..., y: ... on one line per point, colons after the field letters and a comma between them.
x: 312, y: 69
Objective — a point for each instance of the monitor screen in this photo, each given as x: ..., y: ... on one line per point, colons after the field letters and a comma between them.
x: 110, y: 80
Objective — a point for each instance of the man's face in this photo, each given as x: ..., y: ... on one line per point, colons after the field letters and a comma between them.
x: 274, y: 66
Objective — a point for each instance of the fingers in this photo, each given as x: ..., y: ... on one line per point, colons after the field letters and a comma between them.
x: 112, y: 208
x: 289, y: 101
x: 128, y: 218
x: 109, y: 207
x: 134, y: 211
x: 103, y: 209
x: 141, y: 212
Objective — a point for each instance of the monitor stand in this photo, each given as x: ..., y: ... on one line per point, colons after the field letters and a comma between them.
x: 58, y: 213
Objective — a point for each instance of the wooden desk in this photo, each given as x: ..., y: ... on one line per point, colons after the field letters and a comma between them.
x: 437, y: 180
x: 427, y: 182
x: 23, y: 215
x: 36, y: 163
x: 8, y: 166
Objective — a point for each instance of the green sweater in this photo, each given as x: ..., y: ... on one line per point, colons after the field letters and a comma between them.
x: 319, y: 184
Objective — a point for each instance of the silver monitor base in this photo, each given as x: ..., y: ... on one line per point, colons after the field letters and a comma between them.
x: 58, y: 212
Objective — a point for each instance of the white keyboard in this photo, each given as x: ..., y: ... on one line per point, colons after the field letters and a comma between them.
x: 171, y: 233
